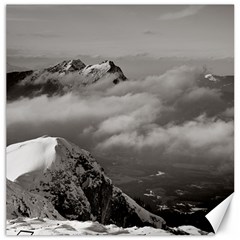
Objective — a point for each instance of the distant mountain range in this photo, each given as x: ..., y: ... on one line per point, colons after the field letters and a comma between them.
x: 61, y: 78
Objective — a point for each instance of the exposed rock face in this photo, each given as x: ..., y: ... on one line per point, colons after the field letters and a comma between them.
x: 22, y: 203
x: 107, y: 69
x: 14, y: 78
x: 127, y: 213
x: 60, y: 79
x: 222, y: 84
x: 67, y: 66
x: 74, y: 183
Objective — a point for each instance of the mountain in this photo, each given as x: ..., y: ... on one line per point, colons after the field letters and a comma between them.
x: 59, y: 79
x: 224, y: 84
x: 53, y: 177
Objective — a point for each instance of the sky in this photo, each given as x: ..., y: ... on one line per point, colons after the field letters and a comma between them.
x: 127, y: 33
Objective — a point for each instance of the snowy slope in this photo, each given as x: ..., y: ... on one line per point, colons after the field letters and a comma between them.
x: 75, y: 184
x: 30, y: 157
x: 39, y: 226
x: 106, y: 69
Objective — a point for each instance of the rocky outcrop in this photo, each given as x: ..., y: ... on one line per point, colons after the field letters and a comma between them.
x: 22, y: 203
x: 126, y: 212
x: 106, y: 69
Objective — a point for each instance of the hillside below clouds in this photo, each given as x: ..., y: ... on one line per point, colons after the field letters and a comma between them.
x: 59, y: 79
x: 53, y: 178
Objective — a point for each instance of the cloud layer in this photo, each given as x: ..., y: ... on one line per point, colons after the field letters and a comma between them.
x: 163, y: 117
x: 186, y: 12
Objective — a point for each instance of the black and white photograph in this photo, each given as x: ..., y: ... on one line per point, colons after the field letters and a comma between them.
x: 119, y: 118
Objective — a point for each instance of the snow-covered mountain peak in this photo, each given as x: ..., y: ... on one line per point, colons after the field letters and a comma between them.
x: 65, y: 77
x: 103, y: 67
x: 67, y: 66
x: 30, y: 157
x: 106, y: 69
x: 210, y: 77
x: 108, y: 62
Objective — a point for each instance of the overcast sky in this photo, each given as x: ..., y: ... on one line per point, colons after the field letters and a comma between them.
x: 115, y: 31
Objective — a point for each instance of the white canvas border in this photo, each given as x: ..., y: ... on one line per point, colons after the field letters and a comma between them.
x: 230, y: 225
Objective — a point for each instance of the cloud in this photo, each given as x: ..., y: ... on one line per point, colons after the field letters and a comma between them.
x: 186, y: 12
x: 43, y: 34
x: 149, y: 32
x: 196, y: 134
x: 229, y: 112
x: 208, y: 139
x: 77, y: 117
x: 25, y: 19
x: 172, y: 86
x: 60, y: 109
x: 201, y: 93
x: 136, y: 120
